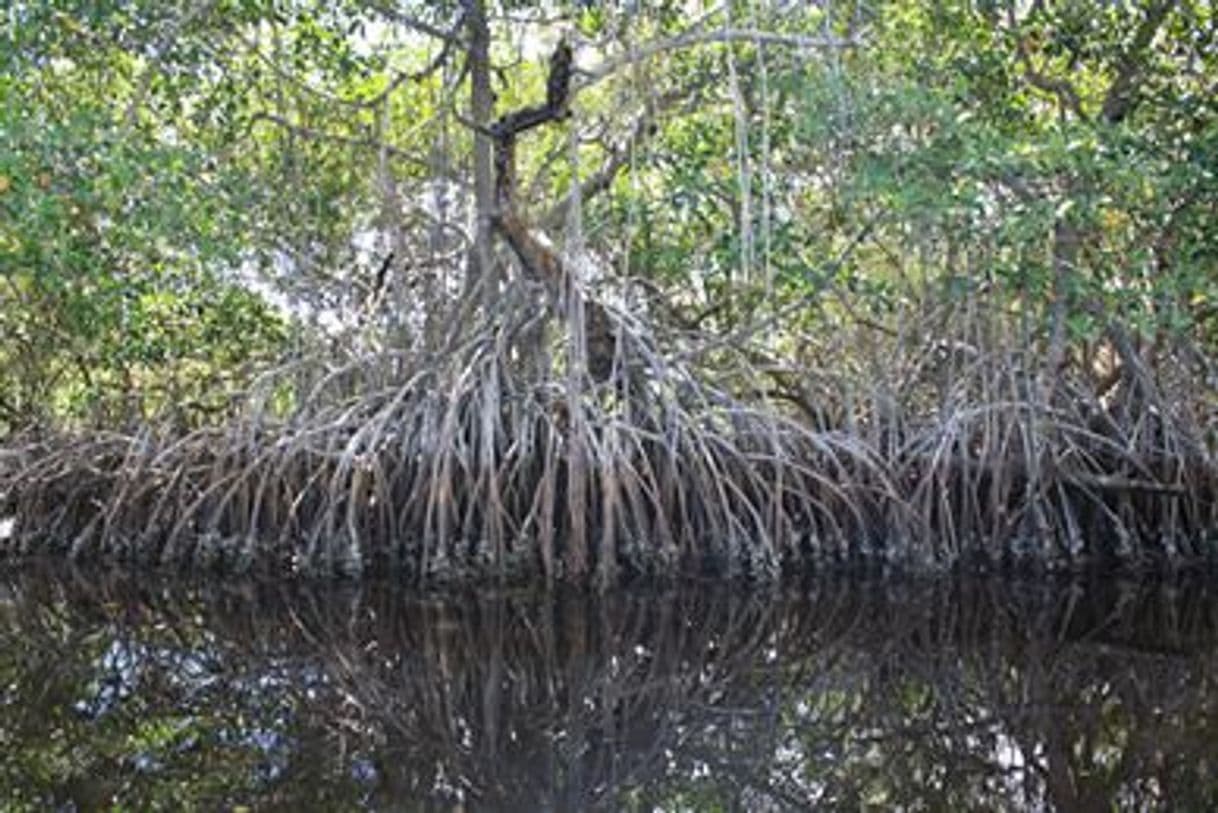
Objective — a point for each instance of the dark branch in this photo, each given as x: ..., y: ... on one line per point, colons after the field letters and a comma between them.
x: 539, y: 261
x: 510, y: 125
x: 1066, y: 95
x: 1122, y: 95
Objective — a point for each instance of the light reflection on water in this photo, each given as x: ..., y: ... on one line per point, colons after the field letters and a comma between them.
x: 146, y: 692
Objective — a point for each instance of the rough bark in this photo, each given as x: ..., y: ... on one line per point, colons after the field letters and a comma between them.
x: 539, y: 261
x: 482, y: 103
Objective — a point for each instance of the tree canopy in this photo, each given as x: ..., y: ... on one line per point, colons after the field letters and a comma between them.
x: 192, y: 190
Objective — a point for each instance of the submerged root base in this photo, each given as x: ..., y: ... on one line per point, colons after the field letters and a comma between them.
x: 470, y: 467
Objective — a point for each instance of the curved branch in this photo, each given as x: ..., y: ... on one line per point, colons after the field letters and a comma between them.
x: 1121, y: 97
x: 540, y: 261
x: 1066, y: 95
x: 392, y: 14
x: 720, y: 35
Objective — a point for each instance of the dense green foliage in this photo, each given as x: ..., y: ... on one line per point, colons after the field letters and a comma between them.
x: 120, y: 240
x: 170, y: 167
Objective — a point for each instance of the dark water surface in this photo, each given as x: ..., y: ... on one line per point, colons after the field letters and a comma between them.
x: 142, y: 692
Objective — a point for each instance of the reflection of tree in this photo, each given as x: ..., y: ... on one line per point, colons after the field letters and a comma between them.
x: 935, y: 695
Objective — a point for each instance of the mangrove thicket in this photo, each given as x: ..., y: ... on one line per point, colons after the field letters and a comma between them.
x: 582, y: 291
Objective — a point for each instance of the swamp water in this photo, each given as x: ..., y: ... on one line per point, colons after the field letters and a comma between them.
x: 143, y: 692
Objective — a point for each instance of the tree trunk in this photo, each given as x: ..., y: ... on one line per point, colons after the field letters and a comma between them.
x: 482, y: 102
x: 1066, y: 240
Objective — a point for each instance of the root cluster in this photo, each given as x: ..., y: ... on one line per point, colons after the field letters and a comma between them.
x: 493, y: 461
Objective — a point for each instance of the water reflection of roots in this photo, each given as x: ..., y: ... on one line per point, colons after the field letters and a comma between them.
x: 952, y: 695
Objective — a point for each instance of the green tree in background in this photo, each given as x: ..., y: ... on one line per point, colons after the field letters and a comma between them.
x: 123, y: 232
x: 172, y: 166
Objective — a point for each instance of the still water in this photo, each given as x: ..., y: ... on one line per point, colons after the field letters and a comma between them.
x: 140, y: 692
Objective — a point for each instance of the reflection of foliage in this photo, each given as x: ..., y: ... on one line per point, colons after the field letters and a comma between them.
x: 932, y: 695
